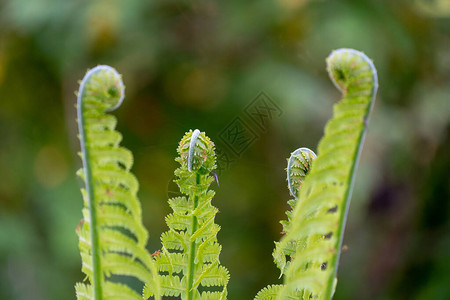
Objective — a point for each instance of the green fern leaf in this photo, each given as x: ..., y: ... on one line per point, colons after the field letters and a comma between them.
x: 320, y: 213
x: 271, y: 292
x: 298, y: 167
x: 268, y: 293
x: 309, y: 252
x: 189, y: 260
x: 112, y: 238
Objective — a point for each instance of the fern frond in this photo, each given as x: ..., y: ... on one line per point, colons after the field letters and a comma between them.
x: 189, y: 260
x: 299, y: 164
x: 318, y: 220
x: 112, y: 238
x: 213, y: 295
x: 171, y: 286
x: 270, y: 293
x: 113, y: 291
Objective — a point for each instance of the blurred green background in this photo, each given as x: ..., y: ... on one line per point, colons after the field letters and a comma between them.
x: 199, y: 64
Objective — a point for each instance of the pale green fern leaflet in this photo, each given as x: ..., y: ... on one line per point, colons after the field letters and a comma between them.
x: 189, y: 263
x: 112, y: 238
x: 315, y: 228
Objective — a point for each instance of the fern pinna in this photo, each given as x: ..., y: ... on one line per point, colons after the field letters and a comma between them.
x: 315, y: 232
x: 189, y: 260
x: 112, y: 238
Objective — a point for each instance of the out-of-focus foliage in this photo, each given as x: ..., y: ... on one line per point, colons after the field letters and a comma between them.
x: 199, y: 64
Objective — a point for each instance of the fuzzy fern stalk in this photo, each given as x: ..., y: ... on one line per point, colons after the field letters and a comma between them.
x: 189, y: 260
x: 317, y: 223
x: 112, y: 238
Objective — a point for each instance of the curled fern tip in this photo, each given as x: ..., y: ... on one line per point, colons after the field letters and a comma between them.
x: 347, y: 66
x: 105, y: 83
x: 298, y: 166
x: 192, y: 145
x: 196, y: 151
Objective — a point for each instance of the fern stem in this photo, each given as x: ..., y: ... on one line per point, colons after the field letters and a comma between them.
x: 193, y: 246
x: 333, y: 263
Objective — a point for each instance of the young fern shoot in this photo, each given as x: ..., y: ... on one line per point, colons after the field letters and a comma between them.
x: 112, y: 238
x: 189, y: 260
x: 317, y: 223
x: 299, y: 164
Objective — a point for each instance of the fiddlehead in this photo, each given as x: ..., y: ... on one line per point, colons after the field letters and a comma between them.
x: 325, y: 196
x: 299, y: 165
x: 189, y: 260
x: 321, y: 210
x: 112, y: 238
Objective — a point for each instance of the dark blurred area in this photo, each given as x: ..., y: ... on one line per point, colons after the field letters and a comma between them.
x: 211, y: 65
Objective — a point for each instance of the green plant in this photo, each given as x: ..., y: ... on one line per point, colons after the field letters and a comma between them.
x: 112, y: 238
x: 189, y: 259
x: 315, y: 229
x: 188, y: 263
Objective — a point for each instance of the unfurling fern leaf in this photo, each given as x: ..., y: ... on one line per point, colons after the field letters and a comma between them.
x: 318, y: 220
x: 299, y: 164
x: 298, y: 167
x: 189, y: 260
x: 112, y: 238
